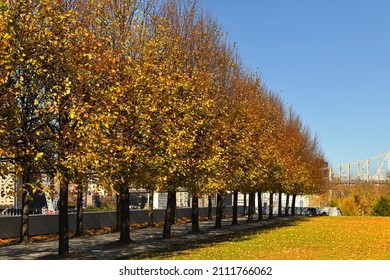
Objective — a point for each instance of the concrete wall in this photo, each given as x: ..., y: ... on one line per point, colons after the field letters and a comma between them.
x: 47, y: 224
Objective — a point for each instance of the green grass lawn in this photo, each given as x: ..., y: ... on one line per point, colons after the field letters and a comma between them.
x: 317, y: 238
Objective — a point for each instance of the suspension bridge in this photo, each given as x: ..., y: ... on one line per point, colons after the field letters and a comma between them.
x: 374, y: 170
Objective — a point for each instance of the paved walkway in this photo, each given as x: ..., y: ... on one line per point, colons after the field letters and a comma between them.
x: 106, y: 247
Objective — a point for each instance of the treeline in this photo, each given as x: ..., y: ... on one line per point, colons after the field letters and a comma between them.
x: 142, y: 94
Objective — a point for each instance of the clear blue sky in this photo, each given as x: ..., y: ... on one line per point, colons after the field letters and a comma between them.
x: 328, y: 59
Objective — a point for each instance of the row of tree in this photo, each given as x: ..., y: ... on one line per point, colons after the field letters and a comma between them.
x: 144, y: 94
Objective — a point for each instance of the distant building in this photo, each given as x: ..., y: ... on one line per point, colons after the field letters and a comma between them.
x: 139, y: 198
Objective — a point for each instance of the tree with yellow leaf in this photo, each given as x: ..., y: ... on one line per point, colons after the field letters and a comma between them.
x: 305, y: 164
x: 173, y: 101
x: 120, y: 121
x: 22, y: 70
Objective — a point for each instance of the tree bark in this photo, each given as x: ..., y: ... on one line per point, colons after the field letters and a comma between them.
x: 271, y: 205
x: 173, y: 213
x: 26, y: 196
x: 195, y: 214
x: 210, y: 209
x: 219, y: 211
x: 118, y: 213
x: 260, y: 203
x: 280, y: 204
x: 251, y: 207
x: 169, y: 214
x: 150, y: 210
x: 24, y: 229
x: 287, y: 203
x: 63, y: 221
x: 245, y: 204
x: 294, y: 197
x: 124, y: 215
x: 235, y: 208
x: 79, y: 219
x: 223, y: 206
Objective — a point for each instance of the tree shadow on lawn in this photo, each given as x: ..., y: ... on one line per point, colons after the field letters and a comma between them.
x: 233, y: 234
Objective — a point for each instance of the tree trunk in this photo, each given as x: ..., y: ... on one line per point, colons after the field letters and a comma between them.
x: 173, y: 213
x: 118, y: 213
x: 23, y: 238
x: 169, y: 213
x: 150, y: 210
x: 63, y: 222
x: 210, y: 209
x: 124, y: 215
x: 294, y: 197
x: 79, y: 219
x: 195, y: 214
x: 280, y: 204
x: 235, y: 208
x: 223, y: 206
x: 260, y: 203
x: 287, y: 203
x: 271, y: 205
x: 251, y: 207
x: 244, y: 204
x: 26, y: 197
x: 219, y: 211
